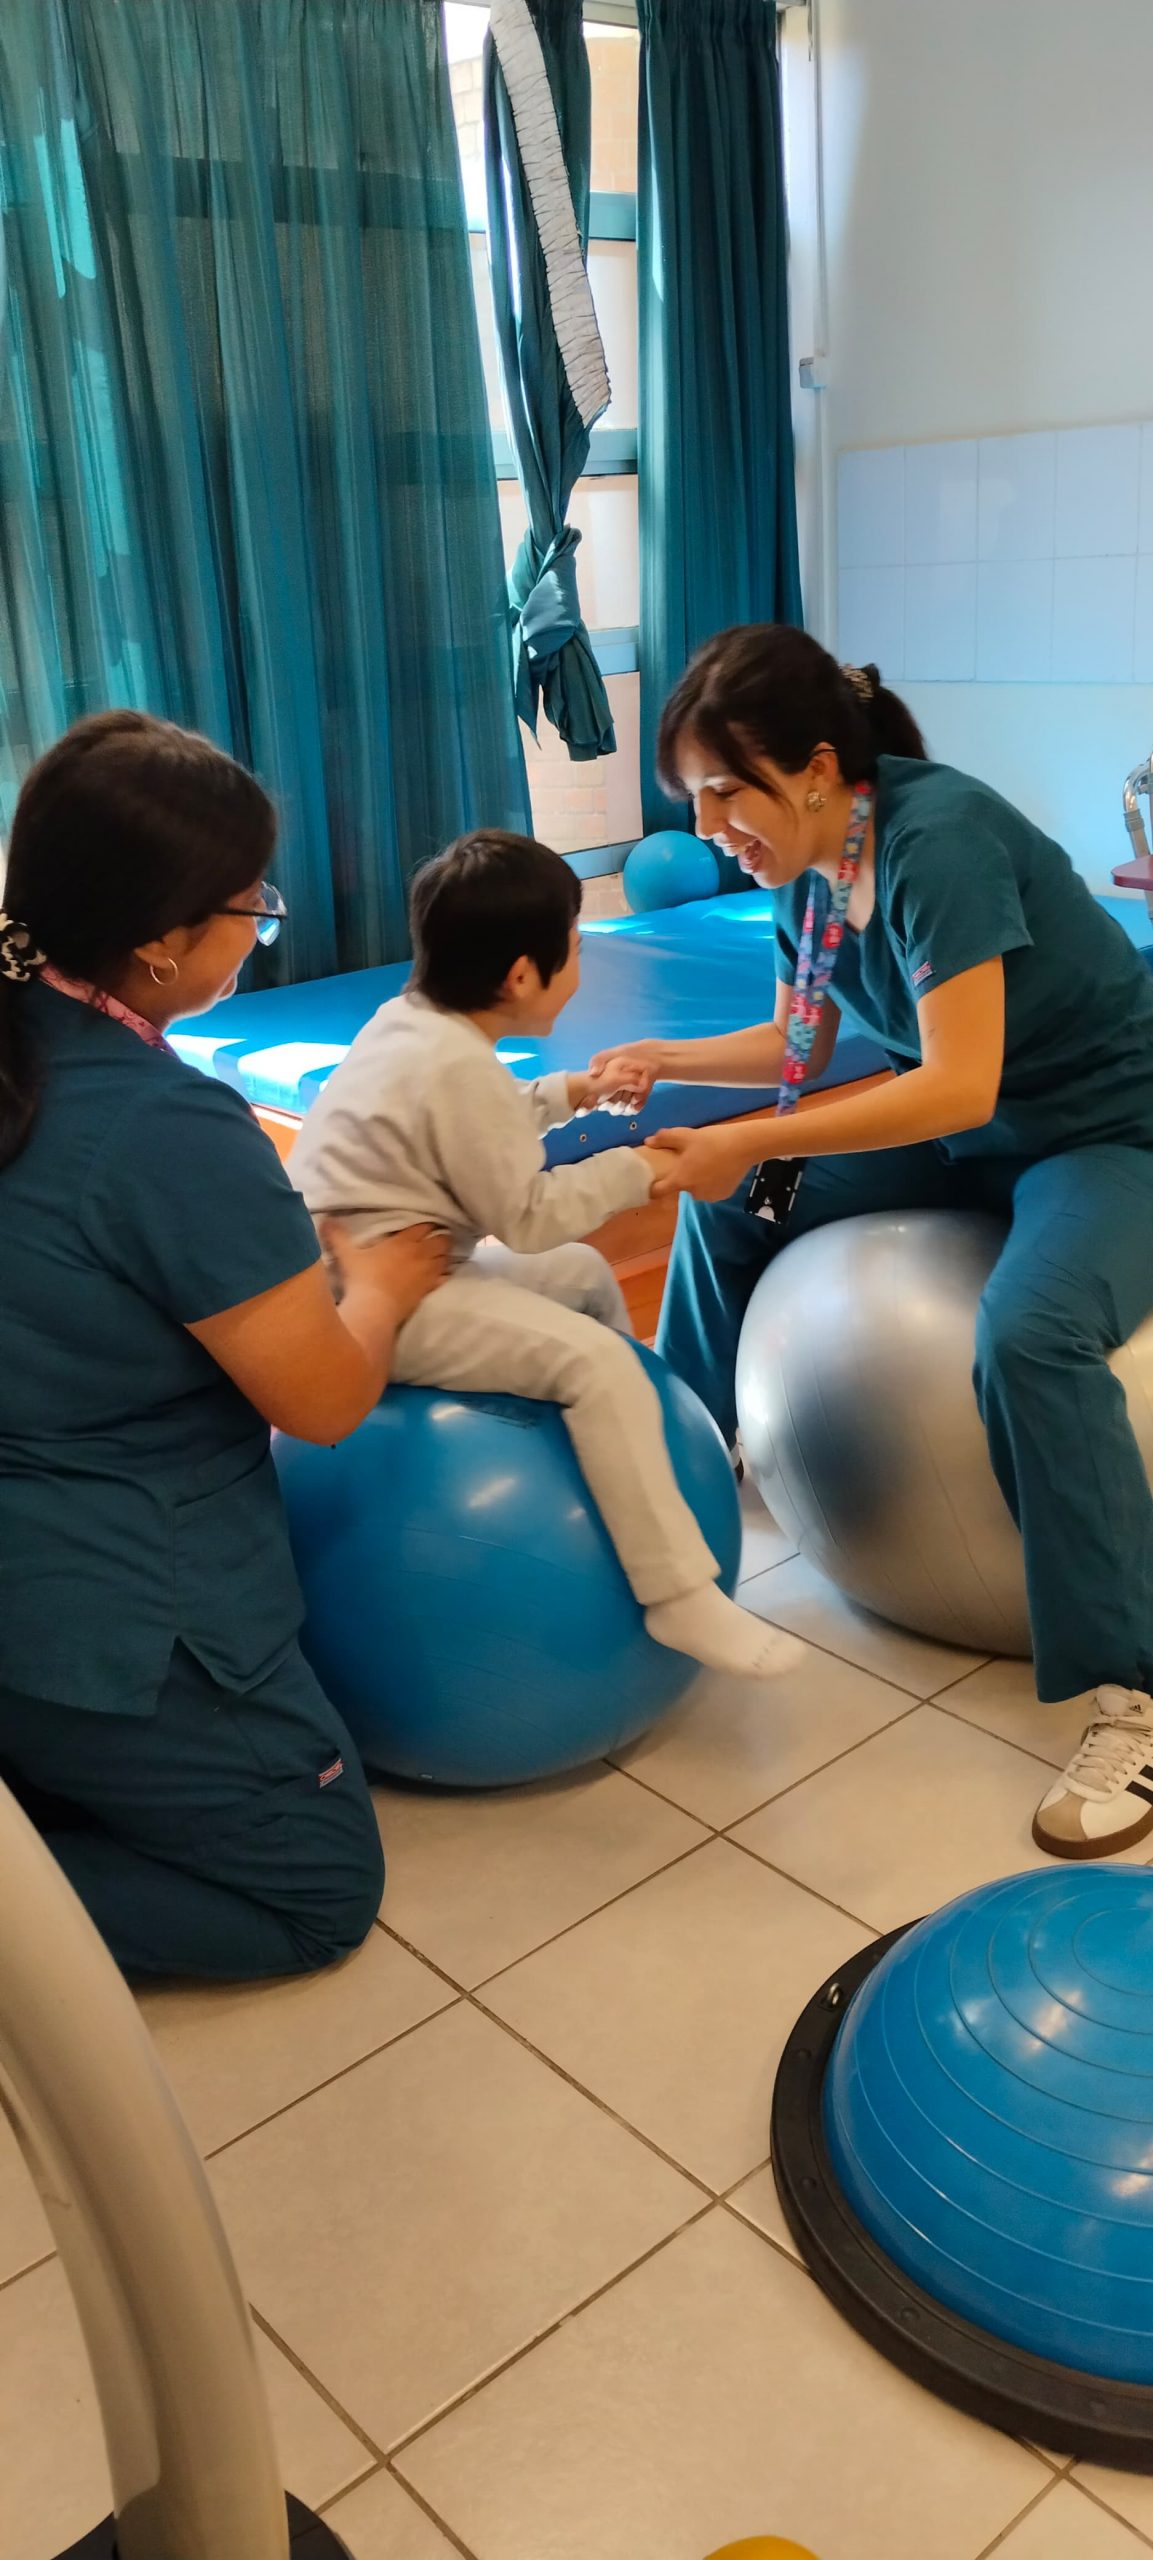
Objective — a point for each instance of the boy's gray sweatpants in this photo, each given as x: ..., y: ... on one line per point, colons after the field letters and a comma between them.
x: 555, y: 1327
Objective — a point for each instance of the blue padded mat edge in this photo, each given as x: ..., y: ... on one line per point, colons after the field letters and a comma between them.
x: 684, y: 973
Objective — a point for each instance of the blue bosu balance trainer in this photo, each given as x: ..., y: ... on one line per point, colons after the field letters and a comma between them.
x: 963, y: 2146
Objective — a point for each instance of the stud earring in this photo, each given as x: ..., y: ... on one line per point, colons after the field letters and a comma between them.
x: 155, y: 976
x: 815, y: 800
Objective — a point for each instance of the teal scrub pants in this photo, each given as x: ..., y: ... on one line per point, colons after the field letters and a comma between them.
x: 226, y: 1836
x: 1075, y: 1279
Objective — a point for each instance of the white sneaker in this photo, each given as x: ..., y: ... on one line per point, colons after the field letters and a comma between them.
x: 1105, y: 1799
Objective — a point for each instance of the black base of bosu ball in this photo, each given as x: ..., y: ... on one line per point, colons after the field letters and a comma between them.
x: 309, y: 2538
x: 1072, y: 2411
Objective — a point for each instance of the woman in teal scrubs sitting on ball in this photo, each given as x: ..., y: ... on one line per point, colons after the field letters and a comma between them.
x: 1020, y: 1021
x: 162, y: 1304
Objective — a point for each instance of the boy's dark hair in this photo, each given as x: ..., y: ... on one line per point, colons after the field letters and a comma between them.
x: 488, y: 901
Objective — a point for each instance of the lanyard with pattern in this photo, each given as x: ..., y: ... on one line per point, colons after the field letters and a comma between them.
x: 775, y: 1183
x: 814, y: 970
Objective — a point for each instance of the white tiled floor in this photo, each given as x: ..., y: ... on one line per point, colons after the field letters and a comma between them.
x: 498, y: 2189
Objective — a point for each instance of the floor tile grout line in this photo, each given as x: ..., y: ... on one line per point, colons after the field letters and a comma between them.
x: 494, y: 2019
x: 1023, y: 1747
x: 465, y: 1990
x: 999, y: 2540
x: 458, y: 1989
x: 49, y: 2258
x: 721, y: 1831
x: 814, y: 1641
x: 759, y: 2232
x: 332, y: 2077
x: 948, y: 1686
x: 378, y: 2453
x: 850, y: 1660
x: 541, y: 2337
x: 1093, y: 2498
x: 625, y: 1895
x: 915, y: 1707
x: 384, y: 2471
x: 872, y: 1928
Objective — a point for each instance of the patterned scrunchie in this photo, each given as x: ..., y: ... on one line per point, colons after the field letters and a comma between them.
x: 19, y: 956
x: 864, y: 681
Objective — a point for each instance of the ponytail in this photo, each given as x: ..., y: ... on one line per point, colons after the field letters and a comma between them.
x: 763, y: 689
x: 18, y: 1078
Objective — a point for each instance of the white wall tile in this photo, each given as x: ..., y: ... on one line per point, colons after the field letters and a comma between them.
x: 1017, y: 497
x: 941, y: 502
x: 1143, y: 639
x: 1098, y: 490
x: 871, y: 619
x: 1093, y: 621
x: 941, y: 622
x: 1145, y: 522
x: 1014, y: 621
x: 871, y: 509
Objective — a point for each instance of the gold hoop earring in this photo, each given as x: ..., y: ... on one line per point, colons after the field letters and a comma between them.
x: 815, y: 800
x: 155, y: 976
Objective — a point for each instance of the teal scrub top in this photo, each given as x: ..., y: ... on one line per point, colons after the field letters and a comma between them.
x: 139, y: 1504
x: 963, y: 878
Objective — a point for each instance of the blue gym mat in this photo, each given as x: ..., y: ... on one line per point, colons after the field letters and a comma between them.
x: 684, y: 973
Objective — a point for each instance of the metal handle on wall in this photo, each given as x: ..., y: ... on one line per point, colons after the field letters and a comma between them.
x: 194, y: 2468
x: 1138, y: 781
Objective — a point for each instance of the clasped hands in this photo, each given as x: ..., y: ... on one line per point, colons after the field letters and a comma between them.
x: 709, y: 1163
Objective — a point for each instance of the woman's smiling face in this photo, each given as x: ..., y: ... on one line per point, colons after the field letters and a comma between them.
x: 768, y: 825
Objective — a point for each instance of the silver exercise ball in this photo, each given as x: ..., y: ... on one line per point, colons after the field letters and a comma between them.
x: 859, y: 1422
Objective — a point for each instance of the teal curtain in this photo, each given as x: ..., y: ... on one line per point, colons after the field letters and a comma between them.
x: 717, y: 498
x: 246, y: 476
x: 553, y: 658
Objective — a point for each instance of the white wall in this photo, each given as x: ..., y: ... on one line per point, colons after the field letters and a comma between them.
x: 987, y: 192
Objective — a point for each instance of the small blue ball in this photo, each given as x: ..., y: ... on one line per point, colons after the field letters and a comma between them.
x: 669, y: 870
x: 465, y: 1608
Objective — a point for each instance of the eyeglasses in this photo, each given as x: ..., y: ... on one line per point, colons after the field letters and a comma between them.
x: 270, y: 914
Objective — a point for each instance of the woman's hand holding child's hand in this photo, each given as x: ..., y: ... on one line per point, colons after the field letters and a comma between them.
x: 622, y: 1079
x: 708, y: 1162
x: 403, y: 1268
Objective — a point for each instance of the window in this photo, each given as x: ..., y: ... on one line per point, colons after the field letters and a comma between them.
x: 579, y: 807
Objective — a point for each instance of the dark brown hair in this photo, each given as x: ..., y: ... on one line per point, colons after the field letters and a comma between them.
x: 763, y: 689
x: 126, y: 828
x: 489, y: 900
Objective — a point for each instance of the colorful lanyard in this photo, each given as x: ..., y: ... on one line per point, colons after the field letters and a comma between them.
x: 815, y: 970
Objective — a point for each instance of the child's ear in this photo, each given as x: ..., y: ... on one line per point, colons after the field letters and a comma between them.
x: 523, y: 980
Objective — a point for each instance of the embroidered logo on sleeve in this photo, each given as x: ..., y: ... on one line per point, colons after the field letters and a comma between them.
x: 335, y: 1769
x: 922, y: 975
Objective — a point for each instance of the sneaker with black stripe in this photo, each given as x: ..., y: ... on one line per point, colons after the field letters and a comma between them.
x: 1104, y: 1801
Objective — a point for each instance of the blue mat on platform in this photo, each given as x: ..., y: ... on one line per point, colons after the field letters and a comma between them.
x: 684, y: 973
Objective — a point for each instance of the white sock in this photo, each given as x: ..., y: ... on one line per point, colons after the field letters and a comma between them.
x: 715, y: 1631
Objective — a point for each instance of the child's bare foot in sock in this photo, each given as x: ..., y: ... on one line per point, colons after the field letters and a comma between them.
x: 713, y: 1630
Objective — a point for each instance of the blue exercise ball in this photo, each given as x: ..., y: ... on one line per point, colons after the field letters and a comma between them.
x: 669, y: 870
x: 988, y: 2113
x: 465, y: 1609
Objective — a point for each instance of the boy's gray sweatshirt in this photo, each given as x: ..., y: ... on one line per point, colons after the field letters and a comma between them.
x: 422, y: 1120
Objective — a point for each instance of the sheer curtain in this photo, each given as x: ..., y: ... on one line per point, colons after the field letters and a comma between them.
x: 246, y: 476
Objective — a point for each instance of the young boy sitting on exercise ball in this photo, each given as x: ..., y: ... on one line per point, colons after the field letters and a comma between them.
x: 422, y: 1121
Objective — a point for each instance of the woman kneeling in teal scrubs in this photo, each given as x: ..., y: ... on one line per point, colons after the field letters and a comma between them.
x: 1019, y: 1019
x: 162, y: 1304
